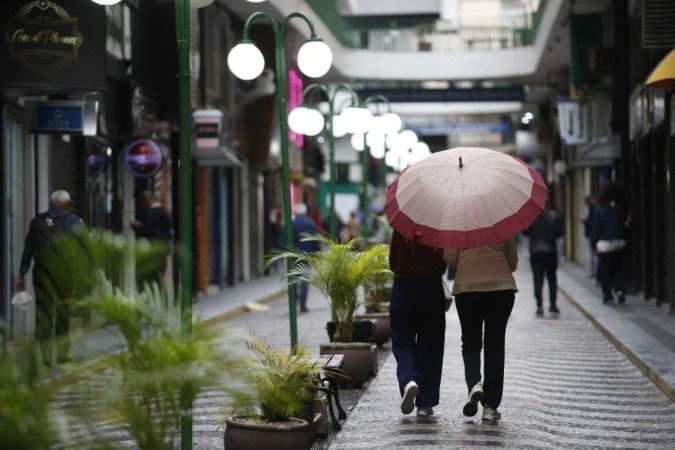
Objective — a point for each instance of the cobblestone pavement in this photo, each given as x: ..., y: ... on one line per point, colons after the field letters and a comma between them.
x: 566, y: 387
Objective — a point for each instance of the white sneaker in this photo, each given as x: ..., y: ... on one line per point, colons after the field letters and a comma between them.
x: 409, y: 394
x: 475, y: 396
x: 491, y: 414
x: 425, y: 412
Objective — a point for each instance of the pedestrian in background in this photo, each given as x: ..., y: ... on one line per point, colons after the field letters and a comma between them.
x: 484, y: 293
x: 608, y: 237
x: 544, y: 234
x: 417, y: 314
x: 155, y: 225
x: 52, y: 289
x: 275, y: 221
x: 588, y: 226
x: 302, y: 224
x: 354, y: 229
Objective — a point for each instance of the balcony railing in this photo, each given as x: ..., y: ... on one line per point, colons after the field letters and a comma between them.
x: 409, y: 34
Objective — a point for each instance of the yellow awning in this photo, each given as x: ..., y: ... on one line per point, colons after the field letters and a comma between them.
x: 663, y: 75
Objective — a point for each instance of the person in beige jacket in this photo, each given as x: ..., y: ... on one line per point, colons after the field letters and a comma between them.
x: 484, y: 293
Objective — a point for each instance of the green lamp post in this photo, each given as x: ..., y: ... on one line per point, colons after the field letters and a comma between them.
x: 247, y: 62
x: 303, y: 120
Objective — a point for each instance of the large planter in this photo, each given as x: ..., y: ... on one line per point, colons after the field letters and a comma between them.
x: 242, y: 433
x: 358, y: 359
x: 382, y: 329
x: 363, y: 330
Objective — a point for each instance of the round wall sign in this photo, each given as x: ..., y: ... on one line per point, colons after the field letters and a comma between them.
x: 143, y: 158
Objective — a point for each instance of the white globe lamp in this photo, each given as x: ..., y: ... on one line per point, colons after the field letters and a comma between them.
x: 306, y: 121
x: 408, y: 138
x: 315, y: 58
x: 339, y: 127
x: 246, y: 61
x: 357, y: 142
x: 392, y: 123
x: 375, y: 139
x: 106, y: 2
x: 378, y: 150
x: 357, y: 120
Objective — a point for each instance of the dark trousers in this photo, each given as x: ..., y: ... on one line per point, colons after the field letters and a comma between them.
x: 417, y: 314
x: 52, y: 317
x: 492, y: 309
x: 303, y: 289
x: 610, y: 273
x: 545, y: 264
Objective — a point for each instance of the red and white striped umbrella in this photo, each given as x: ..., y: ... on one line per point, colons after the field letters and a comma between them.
x: 465, y: 198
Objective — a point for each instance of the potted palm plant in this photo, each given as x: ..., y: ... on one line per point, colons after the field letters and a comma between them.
x: 378, y: 291
x: 285, y: 385
x: 338, y: 271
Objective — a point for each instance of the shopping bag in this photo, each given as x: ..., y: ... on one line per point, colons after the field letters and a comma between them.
x: 22, y: 300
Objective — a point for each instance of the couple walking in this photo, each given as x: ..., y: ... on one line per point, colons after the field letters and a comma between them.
x: 484, y: 290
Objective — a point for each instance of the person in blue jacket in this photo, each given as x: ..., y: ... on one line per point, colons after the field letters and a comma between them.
x: 301, y: 224
x: 608, y: 240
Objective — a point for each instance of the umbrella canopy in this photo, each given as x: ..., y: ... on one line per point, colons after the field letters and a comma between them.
x: 465, y: 198
x: 663, y: 75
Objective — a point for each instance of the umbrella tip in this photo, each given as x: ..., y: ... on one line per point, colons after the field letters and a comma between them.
x: 460, y: 162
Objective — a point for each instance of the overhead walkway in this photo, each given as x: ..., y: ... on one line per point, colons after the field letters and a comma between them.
x: 415, y: 49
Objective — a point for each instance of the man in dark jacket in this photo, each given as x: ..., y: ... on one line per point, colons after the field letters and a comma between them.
x: 51, y: 281
x: 302, y: 223
x: 608, y: 240
x: 544, y: 233
x: 155, y: 225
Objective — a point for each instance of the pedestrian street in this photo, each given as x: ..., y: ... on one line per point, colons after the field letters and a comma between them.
x: 566, y: 386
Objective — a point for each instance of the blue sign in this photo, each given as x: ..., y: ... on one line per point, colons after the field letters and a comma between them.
x: 445, y: 128
x: 143, y: 158
x: 58, y: 118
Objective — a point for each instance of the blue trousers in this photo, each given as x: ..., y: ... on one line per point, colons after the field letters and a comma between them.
x: 417, y: 313
x: 303, y: 288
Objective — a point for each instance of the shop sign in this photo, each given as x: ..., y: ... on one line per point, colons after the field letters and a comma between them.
x: 143, y: 158
x: 501, y: 94
x: 572, y: 122
x: 52, y: 43
x: 443, y: 129
x: 63, y: 117
x: 208, y: 125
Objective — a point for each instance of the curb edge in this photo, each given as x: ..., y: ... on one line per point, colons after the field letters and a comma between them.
x: 650, y: 373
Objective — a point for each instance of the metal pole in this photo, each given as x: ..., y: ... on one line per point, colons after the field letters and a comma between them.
x: 333, y: 169
x: 364, y: 187
x: 282, y: 95
x: 185, y: 199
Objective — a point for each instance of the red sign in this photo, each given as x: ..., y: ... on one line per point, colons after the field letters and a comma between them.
x: 143, y: 158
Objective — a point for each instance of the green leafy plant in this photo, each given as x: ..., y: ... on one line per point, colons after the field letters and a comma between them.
x: 25, y: 422
x: 285, y: 382
x: 337, y: 271
x: 378, y: 287
x: 150, y: 385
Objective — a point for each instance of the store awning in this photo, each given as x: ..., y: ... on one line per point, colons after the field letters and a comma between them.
x: 663, y: 75
x: 603, y: 152
x: 216, y: 157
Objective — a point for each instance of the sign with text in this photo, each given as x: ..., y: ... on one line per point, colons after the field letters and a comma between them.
x: 572, y: 122
x: 450, y: 128
x: 63, y: 117
x: 143, y: 158
x: 52, y: 43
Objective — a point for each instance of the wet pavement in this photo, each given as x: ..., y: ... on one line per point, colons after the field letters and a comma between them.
x: 566, y: 386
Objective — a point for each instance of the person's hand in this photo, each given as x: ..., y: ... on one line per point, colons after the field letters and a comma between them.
x: 21, y: 283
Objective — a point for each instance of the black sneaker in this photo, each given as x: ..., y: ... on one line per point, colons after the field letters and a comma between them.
x: 621, y: 296
x: 553, y: 309
x: 540, y: 311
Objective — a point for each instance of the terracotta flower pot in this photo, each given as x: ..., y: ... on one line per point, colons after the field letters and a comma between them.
x: 245, y: 433
x: 358, y: 359
x: 382, y: 330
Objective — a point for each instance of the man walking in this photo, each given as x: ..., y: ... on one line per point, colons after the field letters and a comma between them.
x: 154, y: 225
x: 302, y: 223
x: 544, y: 233
x: 51, y: 285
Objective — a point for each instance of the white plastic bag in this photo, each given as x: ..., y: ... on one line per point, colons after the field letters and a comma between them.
x: 21, y: 300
